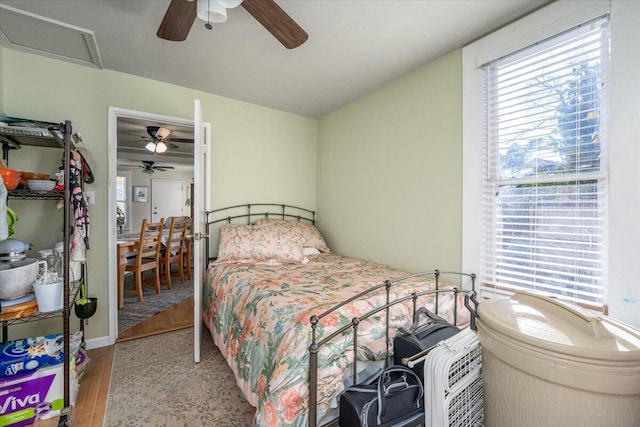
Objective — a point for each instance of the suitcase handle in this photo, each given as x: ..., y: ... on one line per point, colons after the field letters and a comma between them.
x: 383, y: 392
x: 416, y: 320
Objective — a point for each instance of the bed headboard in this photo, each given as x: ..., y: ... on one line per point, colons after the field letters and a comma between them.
x: 248, y: 214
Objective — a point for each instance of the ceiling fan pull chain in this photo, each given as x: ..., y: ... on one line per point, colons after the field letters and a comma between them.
x: 208, y: 25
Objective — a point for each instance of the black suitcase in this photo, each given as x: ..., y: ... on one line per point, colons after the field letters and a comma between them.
x: 421, y: 337
x: 395, y: 398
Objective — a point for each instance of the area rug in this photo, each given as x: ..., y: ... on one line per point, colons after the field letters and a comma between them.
x: 135, y: 311
x: 155, y: 382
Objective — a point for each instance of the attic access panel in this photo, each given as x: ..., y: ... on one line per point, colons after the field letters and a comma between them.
x: 38, y: 35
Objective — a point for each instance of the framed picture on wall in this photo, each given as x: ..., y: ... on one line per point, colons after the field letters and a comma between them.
x: 140, y: 193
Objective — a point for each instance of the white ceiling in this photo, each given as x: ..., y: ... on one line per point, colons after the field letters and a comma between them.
x: 354, y: 46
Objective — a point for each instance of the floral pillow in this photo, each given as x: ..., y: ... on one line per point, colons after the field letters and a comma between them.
x: 261, y: 243
x: 313, y: 238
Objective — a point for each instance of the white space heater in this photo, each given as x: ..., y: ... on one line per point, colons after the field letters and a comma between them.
x: 453, y: 382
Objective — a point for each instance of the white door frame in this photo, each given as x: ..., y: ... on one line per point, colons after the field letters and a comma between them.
x: 201, y: 204
x: 112, y: 137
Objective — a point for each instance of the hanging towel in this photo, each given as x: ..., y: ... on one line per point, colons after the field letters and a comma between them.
x: 78, y: 252
x: 80, y: 207
x: 78, y: 202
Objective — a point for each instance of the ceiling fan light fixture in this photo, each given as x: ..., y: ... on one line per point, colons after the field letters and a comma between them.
x: 229, y: 4
x: 161, y: 147
x: 151, y: 146
x: 211, y: 11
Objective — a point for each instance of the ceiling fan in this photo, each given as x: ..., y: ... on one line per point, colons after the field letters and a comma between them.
x: 181, y: 14
x: 158, y: 140
x: 149, y: 168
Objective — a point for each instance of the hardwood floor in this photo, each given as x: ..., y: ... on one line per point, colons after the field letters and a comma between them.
x: 179, y: 316
x: 91, y: 404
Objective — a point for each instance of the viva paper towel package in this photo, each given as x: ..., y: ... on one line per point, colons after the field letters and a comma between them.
x: 36, y: 395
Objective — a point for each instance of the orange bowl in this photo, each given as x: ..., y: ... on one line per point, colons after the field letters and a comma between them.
x: 27, y: 176
x: 10, y: 177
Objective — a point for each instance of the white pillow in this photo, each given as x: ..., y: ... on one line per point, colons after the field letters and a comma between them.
x: 310, y: 251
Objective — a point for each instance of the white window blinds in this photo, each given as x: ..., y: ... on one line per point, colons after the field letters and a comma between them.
x: 544, y: 200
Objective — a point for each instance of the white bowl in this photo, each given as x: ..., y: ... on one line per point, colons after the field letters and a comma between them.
x: 17, y: 280
x: 40, y: 185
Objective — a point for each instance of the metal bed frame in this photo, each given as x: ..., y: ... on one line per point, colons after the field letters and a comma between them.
x: 249, y: 213
x: 315, y: 346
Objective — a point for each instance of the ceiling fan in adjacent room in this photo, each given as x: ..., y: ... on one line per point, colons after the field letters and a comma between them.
x: 158, y: 140
x: 181, y: 14
x: 149, y: 168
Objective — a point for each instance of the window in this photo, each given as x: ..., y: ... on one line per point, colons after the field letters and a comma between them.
x: 619, y: 193
x: 121, y: 203
x: 545, y: 167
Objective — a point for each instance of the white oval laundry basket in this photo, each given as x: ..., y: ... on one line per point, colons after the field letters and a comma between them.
x: 550, y: 363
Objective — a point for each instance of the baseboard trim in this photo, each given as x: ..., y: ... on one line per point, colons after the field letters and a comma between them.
x: 97, y: 342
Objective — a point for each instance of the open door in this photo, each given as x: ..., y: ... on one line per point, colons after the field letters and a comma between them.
x: 200, y: 199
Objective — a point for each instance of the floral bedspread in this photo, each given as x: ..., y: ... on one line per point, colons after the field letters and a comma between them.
x: 258, y: 316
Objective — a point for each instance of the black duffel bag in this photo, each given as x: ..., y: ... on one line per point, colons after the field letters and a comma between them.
x: 421, y: 337
x: 396, y: 398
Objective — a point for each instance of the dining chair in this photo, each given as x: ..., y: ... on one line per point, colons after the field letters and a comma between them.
x: 147, y: 256
x: 186, y: 252
x: 172, y: 250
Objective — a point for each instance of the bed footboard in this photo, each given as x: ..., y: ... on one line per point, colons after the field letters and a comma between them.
x: 430, y: 288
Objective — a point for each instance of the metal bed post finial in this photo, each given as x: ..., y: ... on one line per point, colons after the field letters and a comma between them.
x: 313, y: 373
x: 414, y: 298
x: 354, y: 324
x: 387, y: 286
x: 437, y: 276
x: 456, y: 290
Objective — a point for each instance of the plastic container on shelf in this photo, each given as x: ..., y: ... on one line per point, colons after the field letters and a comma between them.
x: 550, y: 363
x: 49, y: 295
x: 75, y: 266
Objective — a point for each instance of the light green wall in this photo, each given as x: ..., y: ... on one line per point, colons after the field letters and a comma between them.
x: 1, y: 79
x: 390, y: 171
x: 257, y: 153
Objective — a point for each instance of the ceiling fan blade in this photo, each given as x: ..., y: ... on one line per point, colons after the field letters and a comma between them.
x: 163, y: 168
x: 177, y: 21
x: 180, y: 140
x: 141, y: 142
x: 170, y: 145
x: 276, y: 21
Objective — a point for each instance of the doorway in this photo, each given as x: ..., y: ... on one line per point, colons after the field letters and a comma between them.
x: 134, y: 158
